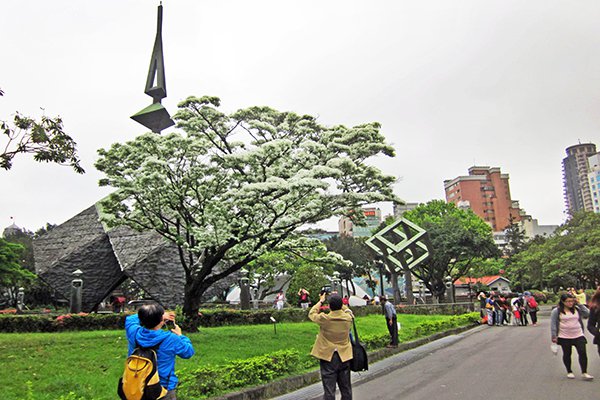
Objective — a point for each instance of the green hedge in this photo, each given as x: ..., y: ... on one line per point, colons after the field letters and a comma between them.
x: 212, y: 380
x: 209, y: 318
x: 424, y: 329
x: 68, y: 322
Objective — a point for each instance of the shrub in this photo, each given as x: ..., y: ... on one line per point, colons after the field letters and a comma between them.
x: 211, y: 380
x: 66, y: 322
x: 208, y: 318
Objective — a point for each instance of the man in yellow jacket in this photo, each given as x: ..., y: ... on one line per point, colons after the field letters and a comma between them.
x: 332, y: 346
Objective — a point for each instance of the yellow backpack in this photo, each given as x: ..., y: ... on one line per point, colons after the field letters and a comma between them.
x: 140, y: 380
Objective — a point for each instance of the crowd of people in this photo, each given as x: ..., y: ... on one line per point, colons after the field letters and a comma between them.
x: 498, y: 309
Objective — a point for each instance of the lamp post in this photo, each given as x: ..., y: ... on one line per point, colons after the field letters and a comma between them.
x: 449, y: 289
x: 380, y: 265
x: 419, y: 287
x: 469, y: 283
x: 244, y: 293
x: 336, y: 281
x: 257, y: 282
x: 20, y: 300
x: 76, y: 289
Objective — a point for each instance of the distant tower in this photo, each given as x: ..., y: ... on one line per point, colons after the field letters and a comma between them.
x: 156, y: 117
x: 11, y: 230
x: 576, y: 186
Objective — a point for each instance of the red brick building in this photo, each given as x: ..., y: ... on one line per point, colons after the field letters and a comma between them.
x: 485, y: 191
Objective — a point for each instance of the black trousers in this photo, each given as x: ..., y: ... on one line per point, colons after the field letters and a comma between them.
x: 567, y: 347
x: 393, y: 329
x: 336, y: 372
x: 533, y: 315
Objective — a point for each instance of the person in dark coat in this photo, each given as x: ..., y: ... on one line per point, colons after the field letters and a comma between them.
x: 594, y: 320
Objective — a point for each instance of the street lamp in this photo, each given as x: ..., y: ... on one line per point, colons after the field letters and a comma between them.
x: 244, y: 293
x: 469, y: 283
x: 380, y: 265
x: 336, y: 281
x: 76, y: 292
x: 449, y: 289
x: 257, y: 282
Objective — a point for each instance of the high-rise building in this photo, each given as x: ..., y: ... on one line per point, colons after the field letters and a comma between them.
x: 576, y: 185
x: 372, y: 220
x: 485, y: 191
x: 401, y: 208
x: 594, y: 180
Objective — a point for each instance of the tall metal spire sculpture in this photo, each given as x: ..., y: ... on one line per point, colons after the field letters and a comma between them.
x: 155, y: 117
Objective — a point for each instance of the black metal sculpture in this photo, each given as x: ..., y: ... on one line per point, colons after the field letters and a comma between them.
x: 155, y: 117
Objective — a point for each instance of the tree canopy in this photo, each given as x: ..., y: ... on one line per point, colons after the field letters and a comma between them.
x: 570, y: 257
x: 458, y: 237
x: 235, y: 186
x: 44, y: 138
x: 11, y: 272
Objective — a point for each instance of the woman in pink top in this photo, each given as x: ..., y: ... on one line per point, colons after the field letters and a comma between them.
x: 566, y: 329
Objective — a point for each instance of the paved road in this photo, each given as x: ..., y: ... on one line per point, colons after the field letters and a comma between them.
x: 486, y: 363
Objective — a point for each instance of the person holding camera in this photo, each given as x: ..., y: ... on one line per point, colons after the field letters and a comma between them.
x: 332, y: 346
x: 144, y: 329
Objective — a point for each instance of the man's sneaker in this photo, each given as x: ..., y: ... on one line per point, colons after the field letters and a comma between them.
x: 571, y: 375
x: 587, y: 376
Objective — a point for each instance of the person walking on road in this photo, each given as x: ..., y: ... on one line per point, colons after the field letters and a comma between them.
x: 566, y: 329
x: 594, y: 321
x: 531, y: 306
x: 391, y: 321
x: 523, y: 311
x: 489, y: 309
x: 332, y: 346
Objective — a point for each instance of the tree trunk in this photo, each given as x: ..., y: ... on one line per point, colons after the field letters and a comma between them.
x: 191, y: 300
x: 410, y: 298
x: 395, y: 287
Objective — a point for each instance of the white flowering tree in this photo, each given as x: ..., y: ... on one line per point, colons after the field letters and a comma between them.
x: 235, y: 186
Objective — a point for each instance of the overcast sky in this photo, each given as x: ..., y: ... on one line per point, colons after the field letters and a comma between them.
x: 507, y: 84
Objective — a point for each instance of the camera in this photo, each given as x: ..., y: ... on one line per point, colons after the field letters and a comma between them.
x: 326, y: 290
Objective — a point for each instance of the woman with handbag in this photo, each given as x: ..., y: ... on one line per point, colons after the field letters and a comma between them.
x: 566, y: 329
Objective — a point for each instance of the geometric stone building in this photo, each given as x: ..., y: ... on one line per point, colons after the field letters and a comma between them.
x: 107, y: 258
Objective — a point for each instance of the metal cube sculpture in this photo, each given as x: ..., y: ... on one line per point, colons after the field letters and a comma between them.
x: 403, y: 243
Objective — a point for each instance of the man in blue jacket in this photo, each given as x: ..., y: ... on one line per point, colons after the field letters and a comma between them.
x: 145, y: 330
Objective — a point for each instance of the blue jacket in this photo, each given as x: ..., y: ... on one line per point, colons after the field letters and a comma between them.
x: 171, y: 346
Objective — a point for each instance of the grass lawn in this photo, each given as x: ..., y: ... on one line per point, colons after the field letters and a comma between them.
x: 40, y: 366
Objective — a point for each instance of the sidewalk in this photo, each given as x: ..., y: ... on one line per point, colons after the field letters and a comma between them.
x: 381, y: 362
x: 383, y: 367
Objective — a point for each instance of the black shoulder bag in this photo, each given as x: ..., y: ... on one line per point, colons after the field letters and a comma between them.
x: 360, y: 361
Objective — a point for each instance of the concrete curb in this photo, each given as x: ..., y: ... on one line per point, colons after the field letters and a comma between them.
x: 294, y: 383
